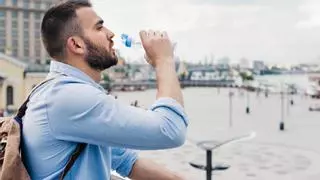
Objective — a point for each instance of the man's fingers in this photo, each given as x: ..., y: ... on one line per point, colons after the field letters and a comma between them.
x: 143, y: 36
x: 150, y: 33
x: 157, y: 33
x: 164, y: 34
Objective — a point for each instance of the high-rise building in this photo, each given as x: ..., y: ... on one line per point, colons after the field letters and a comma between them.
x: 20, y: 35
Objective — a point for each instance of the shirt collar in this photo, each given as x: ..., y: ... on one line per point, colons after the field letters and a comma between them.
x: 65, y: 69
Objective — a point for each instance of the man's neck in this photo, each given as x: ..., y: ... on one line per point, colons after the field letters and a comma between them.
x: 94, y: 74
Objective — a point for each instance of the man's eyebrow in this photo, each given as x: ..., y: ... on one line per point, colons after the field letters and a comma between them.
x: 100, y: 22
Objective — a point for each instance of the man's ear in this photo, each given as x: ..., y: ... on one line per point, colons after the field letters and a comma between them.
x: 75, y: 45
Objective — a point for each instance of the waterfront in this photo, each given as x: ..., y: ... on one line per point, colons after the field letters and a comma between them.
x: 292, y: 154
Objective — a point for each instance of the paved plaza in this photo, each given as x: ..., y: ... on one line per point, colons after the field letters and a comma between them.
x: 292, y: 154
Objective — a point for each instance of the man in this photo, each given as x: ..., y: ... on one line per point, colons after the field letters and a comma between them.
x: 73, y: 108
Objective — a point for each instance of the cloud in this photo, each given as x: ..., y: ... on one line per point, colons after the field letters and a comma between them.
x: 270, y: 30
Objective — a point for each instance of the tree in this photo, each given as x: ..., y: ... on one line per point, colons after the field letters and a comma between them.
x: 106, y: 81
x: 246, y: 77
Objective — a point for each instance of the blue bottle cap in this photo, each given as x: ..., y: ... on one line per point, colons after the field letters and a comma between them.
x: 126, y: 40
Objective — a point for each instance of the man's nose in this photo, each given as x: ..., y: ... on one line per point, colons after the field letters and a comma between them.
x: 110, y: 34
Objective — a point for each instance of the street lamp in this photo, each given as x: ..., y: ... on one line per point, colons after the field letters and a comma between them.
x: 281, y: 126
x: 248, y: 102
x: 230, y: 108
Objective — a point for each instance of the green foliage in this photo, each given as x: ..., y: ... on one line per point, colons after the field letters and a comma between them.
x: 246, y: 77
x: 106, y: 78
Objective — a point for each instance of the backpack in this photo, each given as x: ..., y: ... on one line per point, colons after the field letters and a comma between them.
x: 11, y: 165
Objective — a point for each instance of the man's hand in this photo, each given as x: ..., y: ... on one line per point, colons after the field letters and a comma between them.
x: 159, y: 51
x: 144, y: 169
x: 157, y: 46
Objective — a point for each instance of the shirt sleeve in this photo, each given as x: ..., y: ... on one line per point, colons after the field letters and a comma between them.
x: 82, y: 113
x: 123, y: 160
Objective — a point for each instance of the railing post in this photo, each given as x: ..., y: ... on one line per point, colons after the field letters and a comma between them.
x: 209, y: 164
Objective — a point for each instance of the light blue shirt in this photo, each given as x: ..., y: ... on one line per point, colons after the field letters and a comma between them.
x: 74, y: 109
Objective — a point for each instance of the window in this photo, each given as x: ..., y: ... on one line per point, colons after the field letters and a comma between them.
x: 2, y: 13
x: 14, y: 33
x: 2, y: 33
x: 38, y: 61
x: 48, y: 5
x: 15, y: 43
x: 25, y: 3
x: 14, y: 14
x: 38, y: 16
x: 14, y: 2
x: 37, y: 34
x: 25, y: 35
x: 26, y: 15
x: 37, y: 5
x: 37, y: 25
x: 38, y: 47
x: 15, y: 52
x: 9, y: 95
x: 26, y: 52
x: 2, y: 42
x: 2, y: 23
x: 26, y: 25
x: 26, y: 44
x: 48, y: 60
x: 14, y: 24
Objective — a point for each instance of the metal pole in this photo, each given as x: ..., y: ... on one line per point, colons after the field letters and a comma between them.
x: 288, y: 102
x: 282, y: 111
x: 291, y: 98
x: 282, y: 106
x: 230, y: 109
x: 209, y: 165
x: 248, y: 99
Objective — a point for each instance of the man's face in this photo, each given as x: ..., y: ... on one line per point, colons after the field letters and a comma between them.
x: 100, y: 54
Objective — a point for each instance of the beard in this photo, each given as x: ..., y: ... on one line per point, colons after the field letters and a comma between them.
x: 98, y: 57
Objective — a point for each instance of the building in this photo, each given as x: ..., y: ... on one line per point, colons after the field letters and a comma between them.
x: 223, y: 63
x: 244, y: 64
x: 258, y: 66
x: 20, y: 35
x: 17, y: 78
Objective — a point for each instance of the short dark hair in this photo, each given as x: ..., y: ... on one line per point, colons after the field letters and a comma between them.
x: 59, y: 23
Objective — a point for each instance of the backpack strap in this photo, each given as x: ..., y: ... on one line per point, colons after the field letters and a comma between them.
x: 23, y: 108
x: 22, y: 111
x: 72, y: 159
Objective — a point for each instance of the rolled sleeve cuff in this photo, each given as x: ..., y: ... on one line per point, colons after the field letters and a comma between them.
x: 126, y: 169
x: 173, y: 105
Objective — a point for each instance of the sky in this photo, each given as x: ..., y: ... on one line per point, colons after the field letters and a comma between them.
x: 275, y: 31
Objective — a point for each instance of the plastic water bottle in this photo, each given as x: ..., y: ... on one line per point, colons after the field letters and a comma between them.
x: 133, y: 43
x: 130, y: 42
